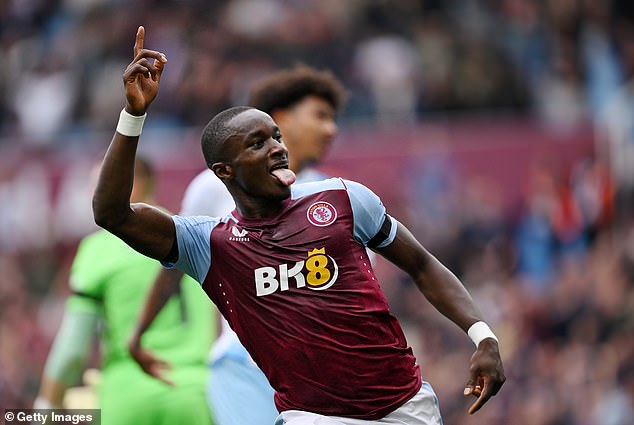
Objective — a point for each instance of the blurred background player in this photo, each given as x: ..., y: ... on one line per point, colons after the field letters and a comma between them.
x: 109, y: 283
x: 304, y: 103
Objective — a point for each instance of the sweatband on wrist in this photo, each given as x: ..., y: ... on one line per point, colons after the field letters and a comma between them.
x: 130, y: 125
x: 479, y: 331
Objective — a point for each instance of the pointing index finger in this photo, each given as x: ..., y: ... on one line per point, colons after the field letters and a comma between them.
x: 138, y: 44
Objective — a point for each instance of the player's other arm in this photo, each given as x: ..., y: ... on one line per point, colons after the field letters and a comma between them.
x: 165, y: 285
x: 67, y: 357
x: 195, y: 202
x: 439, y: 285
x: 146, y: 229
x: 447, y: 294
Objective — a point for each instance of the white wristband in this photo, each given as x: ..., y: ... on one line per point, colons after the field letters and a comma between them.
x: 130, y: 125
x: 479, y: 331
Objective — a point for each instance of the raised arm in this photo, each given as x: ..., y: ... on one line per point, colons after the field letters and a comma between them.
x: 146, y: 229
x: 447, y: 294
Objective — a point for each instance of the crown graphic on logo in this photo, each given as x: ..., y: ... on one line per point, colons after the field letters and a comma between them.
x: 316, y: 251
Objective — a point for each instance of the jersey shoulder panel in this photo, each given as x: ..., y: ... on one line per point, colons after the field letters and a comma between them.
x: 310, y: 188
x: 368, y: 211
x: 193, y: 236
x: 369, y: 214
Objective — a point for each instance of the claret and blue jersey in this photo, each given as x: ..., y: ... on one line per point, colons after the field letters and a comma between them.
x: 300, y: 292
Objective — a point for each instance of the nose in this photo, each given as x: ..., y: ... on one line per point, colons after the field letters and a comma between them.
x: 278, y: 149
x: 331, y: 129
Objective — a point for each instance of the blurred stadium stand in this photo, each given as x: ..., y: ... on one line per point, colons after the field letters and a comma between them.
x: 501, y: 132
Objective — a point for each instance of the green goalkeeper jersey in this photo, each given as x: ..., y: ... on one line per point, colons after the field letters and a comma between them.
x: 111, y: 279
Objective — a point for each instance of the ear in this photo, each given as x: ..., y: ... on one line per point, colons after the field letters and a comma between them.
x: 222, y: 170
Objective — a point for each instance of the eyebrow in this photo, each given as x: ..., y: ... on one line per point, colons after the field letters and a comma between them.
x: 254, y: 134
x: 259, y: 133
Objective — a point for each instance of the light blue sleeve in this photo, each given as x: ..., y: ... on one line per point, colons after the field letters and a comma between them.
x: 194, y: 245
x: 369, y: 215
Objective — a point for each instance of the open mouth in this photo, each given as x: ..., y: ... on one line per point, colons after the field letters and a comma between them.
x: 283, y: 174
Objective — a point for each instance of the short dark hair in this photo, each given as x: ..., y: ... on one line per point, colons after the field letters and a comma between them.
x: 216, y: 132
x: 286, y: 87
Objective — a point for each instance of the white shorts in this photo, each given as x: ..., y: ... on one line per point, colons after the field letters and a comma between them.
x: 422, y: 409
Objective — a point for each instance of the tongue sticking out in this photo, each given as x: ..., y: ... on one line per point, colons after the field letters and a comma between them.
x: 285, y: 176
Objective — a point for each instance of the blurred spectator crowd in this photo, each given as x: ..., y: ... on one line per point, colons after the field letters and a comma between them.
x: 555, y: 278
x: 556, y: 281
x: 401, y: 59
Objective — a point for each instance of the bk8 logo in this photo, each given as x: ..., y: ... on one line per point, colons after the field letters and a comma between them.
x: 318, y: 272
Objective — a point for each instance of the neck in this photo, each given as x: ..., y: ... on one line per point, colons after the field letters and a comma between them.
x: 258, y: 208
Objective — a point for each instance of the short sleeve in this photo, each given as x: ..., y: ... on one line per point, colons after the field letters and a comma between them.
x: 86, y: 277
x: 373, y: 227
x: 194, y: 245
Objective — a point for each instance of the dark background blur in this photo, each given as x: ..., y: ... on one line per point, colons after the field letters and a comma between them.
x: 500, y: 131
